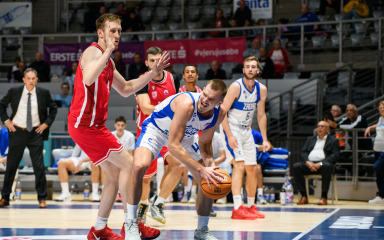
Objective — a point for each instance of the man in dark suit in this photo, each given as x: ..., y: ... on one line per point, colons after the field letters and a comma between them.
x: 33, y: 111
x: 318, y: 156
x: 137, y: 68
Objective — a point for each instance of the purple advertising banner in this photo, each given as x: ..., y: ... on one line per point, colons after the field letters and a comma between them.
x: 65, y: 54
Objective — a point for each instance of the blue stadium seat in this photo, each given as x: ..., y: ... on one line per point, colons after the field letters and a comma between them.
x: 161, y: 14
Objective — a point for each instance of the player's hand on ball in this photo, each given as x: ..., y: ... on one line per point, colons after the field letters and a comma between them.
x: 210, y: 175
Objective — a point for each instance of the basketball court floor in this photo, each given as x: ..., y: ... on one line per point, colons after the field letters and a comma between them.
x: 72, y: 221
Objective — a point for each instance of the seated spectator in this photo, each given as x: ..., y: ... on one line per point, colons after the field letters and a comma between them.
x: 91, y: 15
x: 353, y: 120
x: 266, y: 66
x: 215, y: 72
x: 19, y: 73
x: 235, y: 33
x: 190, y: 76
x: 123, y: 16
x: 218, y: 22
x: 137, y: 67
x: 119, y: 64
x: 334, y: 114
x: 280, y: 59
x: 13, y: 68
x: 64, y: 96
x: 318, y: 156
x: 329, y: 8
x: 355, y: 9
x: 4, y: 143
x: 78, y: 161
x: 134, y: 22
x: 379, y: 155
x: 42, y: 68
x: 70, y: 78
x: 254, y: 50
x: 281, y: 31
x: 243, y: 15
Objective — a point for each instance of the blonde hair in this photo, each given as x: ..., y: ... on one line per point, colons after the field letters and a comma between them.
x: 380, y: 103
x: 100, y: 22
x: 251, y: 58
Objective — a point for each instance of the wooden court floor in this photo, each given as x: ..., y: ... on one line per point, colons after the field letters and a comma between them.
x: 343, y: 220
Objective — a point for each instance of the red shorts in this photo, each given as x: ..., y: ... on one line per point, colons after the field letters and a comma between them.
x: 152, y: 170
x: 96, y: 142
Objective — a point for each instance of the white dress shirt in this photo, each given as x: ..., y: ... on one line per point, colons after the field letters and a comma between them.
x: 317, y: 154
x: 20, y: 118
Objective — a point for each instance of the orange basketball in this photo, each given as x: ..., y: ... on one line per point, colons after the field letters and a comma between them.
x: 222, y: 189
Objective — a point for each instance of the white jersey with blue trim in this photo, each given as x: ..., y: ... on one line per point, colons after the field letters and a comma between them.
x: 162, y: 116
x: 243, y: 108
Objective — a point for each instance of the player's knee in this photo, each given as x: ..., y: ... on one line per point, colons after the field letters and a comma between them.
x: 140, y: 167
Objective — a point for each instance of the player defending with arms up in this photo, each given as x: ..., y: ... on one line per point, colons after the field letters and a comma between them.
x: 95, y: 76
x: 244, y: 95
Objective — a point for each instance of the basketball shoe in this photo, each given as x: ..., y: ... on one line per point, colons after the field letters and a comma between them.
x: 185, y: 198
x: 222, y: 200
x: 254, y: 210
x: 192, y: 199
x: 103, y: 234
x: 141, y: 212
x: 203, y: 234
x: 156, y: 212
x: 64, y: 197
x: 144, y: 232
x: 261, y: 199
x: 242, y: 213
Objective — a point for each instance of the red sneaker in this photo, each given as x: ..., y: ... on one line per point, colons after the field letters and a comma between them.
x: 254, y: 210
x: 145, y: 232
x: 242, y: 213
x: 103, y: 234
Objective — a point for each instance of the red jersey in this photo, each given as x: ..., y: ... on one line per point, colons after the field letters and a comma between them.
x: 157, y: 92
x: 198, y: 90
x: 89, y: 106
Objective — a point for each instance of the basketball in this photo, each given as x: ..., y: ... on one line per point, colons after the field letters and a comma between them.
x: 222, y: 189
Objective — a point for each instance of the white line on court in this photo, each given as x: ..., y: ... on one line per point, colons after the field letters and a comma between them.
x: 317, y: 224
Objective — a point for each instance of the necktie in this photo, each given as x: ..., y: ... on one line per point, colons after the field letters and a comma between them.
x: 29, y: 114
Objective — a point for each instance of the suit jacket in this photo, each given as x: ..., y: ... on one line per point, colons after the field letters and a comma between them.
x: 331, y: 149
x: 46, y: 106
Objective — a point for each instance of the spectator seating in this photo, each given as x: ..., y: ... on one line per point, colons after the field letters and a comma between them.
x: 202, y: 69
x: 227, y: 67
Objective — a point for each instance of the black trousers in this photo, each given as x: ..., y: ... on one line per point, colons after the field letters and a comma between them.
x: 300, y: 169
x: 17, y: 142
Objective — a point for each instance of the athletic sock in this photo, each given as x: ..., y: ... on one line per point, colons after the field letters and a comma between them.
x: 202, y: 221
x: 64, y: 187
x: 185, y: 190
x: 250, y: 201
x: 131, y: 212
x: 260, y: 192
x: 237, y: 201
x: 101, y: 222
x: 159, y: 200
x: 95, y: 188
x: 193, y: 190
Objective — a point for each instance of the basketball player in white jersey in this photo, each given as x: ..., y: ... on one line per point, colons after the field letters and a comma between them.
x: 244, y: 96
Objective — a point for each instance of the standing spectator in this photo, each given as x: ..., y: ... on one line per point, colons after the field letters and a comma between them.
x: 42, y: 68
x: 13, y: 68
x: 64, y: 97
x: 379, y: 149
x: 280, y: 59
x: 33, y: 111
x: 355, y: 9
x: 119, y: 64
x: 71, y: 74
x: 137, y: 67
x: 254, y: 50
x: 266, y: 67
x: 134, y: 22
x: 218, y: 22
x: 19, y: 73
x: 243, y: 15
x: 329, y: 8
x: 318, y: 156
x: 215, y: 72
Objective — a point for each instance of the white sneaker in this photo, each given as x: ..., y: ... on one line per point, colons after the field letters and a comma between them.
x: 261, y: 200
x: 12, y: 196
x: 376, y: 200
x: 64, y: 197
x: 95, y: 197
x: 192, y: 199
x: 203, y: 234
x: 222, y: 200
x: 184, y: 199
x: 169, y: 199
x: 131, y: 229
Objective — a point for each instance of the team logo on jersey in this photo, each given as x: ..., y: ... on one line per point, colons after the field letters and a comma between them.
x: 153, y: 87
x: 245, y: 94
x: 154, y: 94
x: 166, y: 92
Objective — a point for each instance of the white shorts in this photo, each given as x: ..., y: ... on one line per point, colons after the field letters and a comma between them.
x: 86, y: 165
x: 246, y: 150
x: 153, y: 139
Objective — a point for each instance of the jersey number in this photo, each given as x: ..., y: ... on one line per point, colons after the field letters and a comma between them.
x: 195, y: 147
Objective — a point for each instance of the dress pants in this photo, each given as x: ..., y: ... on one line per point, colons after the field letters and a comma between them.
x: 17, y: 142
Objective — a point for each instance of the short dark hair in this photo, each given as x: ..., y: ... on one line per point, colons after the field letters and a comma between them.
x: 120, y: 119
x: 153, y: 51
x: 190, y: 65
x: 65, y: 83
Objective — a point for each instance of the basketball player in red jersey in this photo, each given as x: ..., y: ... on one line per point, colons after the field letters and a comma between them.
x: 159, y: 88
x: 95, y: 75
x: 190, y: 76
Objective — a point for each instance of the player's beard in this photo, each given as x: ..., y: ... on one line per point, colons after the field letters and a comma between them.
x: 249, y: 76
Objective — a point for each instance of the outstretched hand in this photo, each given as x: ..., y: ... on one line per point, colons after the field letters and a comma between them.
x: 162, y: 63
x: 210, y: 175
